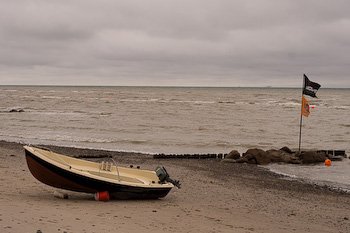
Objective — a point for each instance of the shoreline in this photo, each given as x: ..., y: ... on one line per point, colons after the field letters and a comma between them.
x: 86, y: 153
x: 317, y: 184
x: 215, y: 197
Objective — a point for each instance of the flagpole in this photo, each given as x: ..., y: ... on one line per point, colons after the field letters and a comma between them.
x: 301, y: 115
x: 301, y: 121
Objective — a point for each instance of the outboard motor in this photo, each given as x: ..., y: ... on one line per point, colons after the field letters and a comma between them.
x: 164, y: 176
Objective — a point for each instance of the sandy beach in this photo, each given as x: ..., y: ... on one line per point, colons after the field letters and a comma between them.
x: 215, y: 197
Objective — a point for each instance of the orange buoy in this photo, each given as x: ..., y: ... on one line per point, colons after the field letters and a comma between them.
x: 327, y: 162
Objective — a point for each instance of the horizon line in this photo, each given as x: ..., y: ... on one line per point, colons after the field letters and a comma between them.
x: 157, y: 86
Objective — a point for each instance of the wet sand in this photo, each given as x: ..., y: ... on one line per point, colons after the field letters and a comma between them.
x: 215, y: 197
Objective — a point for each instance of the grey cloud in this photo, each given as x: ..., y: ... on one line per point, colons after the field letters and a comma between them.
x: 159, y: 42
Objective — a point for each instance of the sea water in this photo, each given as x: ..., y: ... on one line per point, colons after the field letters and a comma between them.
x: 180, y: 120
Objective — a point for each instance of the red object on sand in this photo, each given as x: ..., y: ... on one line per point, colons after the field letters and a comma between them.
x: 102, y: 196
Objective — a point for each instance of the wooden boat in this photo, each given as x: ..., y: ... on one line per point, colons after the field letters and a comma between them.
x: 79, y: 175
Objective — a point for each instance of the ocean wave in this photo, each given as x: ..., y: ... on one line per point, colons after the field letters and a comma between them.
x: 70, y: 138
x: 49, y: 113
x: 196, y: 102
x: 226, y: 102
x: 340, y: 107
x: 139, y: 100
x: 11, y: 90
x: 54, y: 97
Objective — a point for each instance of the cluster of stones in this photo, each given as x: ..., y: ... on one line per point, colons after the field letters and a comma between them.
x: 259, y: 156
x: 283, y: 155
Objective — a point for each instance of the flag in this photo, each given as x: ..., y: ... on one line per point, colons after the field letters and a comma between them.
x: 310, y: 88
x: 305, y: 108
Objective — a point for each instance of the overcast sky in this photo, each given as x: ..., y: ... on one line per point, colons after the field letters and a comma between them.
x: 175, y: 43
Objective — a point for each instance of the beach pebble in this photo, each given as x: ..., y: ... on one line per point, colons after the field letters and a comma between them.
x: 60, y: 195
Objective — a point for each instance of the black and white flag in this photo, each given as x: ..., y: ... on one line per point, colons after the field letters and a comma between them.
x: 310, y: 88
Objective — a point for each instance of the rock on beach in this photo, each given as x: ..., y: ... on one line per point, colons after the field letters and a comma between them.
x: 233, y: 155
x: 283, y: 155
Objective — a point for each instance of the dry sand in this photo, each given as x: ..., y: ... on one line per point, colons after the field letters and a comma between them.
x: 215, y: 197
